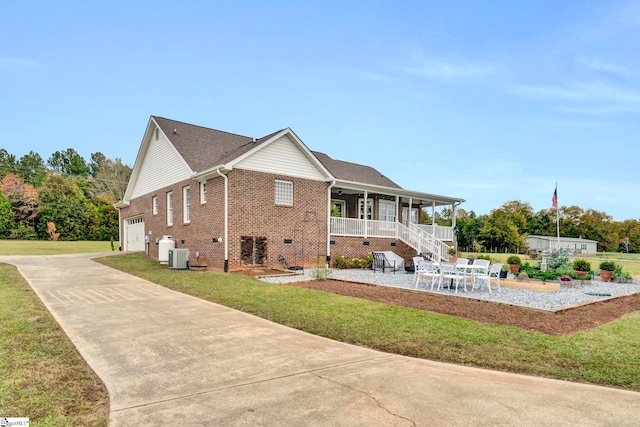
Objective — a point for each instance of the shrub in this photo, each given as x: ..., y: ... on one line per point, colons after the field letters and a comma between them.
x: 608, y: 265
x: 557, y: 259
x: 452, y: 251
x: 344, y: 262
x: 581, y: 265
x: 514, y: 259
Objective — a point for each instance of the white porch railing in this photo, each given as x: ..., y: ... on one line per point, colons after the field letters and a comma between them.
x: 425, y: 239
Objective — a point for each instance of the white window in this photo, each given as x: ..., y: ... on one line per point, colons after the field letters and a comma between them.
x: 284, y: 193
x: 154, y: 205
x: 186, y: 204
x: 405, y: 216
x: 203, y: 192
x: 170, y: 208
x: 387, y: 211
x: 369, y: 214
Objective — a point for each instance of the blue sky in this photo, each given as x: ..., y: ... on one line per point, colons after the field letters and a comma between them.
x: 488, y: 101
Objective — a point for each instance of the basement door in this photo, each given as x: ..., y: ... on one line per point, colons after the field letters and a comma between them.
x: 253, y: 251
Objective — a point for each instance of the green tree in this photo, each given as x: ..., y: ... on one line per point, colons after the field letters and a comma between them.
x: 96, y: 162
x: 521, y: 213
x: 68, y: 162
x: 66, y: 205
x: 7, y: 162
x: 7, y: 222
x: 500, y: 233
x: 31, y: 169
x: 23, y: 198
x: 110, y: 180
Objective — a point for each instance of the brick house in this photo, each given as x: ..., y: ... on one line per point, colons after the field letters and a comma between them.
x: 236, y: 201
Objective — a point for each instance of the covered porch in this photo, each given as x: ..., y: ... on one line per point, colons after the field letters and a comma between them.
x: 368, y: 211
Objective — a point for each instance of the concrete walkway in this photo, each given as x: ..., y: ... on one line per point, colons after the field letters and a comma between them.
x: 171, y: 359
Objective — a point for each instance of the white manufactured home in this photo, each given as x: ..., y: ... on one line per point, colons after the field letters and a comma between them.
x: 570, y: 244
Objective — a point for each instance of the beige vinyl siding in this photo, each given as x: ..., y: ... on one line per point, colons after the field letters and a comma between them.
x: 282, y: 157
x: 161, y: 167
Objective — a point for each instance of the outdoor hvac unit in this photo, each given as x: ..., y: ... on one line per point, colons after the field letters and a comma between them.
x: 179, y: 259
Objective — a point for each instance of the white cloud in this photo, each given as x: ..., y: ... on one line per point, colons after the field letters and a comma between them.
x: 14, y: 63
x: 618, y: 98
x: 598, y: 65
x: 450, y: 72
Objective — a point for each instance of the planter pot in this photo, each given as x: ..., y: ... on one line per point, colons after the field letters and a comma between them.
x: 580, y: 273
x: 453, y: 259
x: 514, y: 268
x: 503, y: 274
x: 605, y: 275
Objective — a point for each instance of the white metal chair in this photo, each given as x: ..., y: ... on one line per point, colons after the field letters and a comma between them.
x: 449, y: 271
x: 492, y: 274
x: 428, y: 272
x: 417, y: 260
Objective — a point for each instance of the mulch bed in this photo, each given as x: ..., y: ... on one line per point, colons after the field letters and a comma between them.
x: 563, y: 322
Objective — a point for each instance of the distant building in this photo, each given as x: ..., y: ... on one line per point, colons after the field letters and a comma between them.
x: 570, y: 244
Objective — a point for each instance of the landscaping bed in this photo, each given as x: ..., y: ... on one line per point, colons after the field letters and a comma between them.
x: 563, y: 322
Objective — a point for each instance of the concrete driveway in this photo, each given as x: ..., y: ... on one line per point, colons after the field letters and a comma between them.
x: 171, y: 359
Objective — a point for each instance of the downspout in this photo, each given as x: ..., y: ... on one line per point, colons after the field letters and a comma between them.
x: 226, y: 220
x: 121, y: 230
x: 331, y: 185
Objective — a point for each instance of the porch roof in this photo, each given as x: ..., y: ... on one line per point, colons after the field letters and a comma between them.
x: 427, y: 199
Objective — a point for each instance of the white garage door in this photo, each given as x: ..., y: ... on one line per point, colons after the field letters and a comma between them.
x: 134, y: 234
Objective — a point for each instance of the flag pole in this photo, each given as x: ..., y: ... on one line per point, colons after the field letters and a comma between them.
x: 557, y: 215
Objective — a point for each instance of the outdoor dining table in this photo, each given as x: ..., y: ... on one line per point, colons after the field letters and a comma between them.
x: 471, y: 270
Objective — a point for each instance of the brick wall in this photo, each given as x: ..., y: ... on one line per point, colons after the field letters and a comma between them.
x: 296, y: 232
x: 354, y: 247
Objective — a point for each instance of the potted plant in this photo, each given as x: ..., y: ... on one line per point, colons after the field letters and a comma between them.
x: 452, y: 254
x: 606, y: 270
x: 514, y: 262
x: 581, y: 267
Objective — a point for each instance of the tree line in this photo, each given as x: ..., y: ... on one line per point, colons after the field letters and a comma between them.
x: 76, y: 195
x: 505, y: 229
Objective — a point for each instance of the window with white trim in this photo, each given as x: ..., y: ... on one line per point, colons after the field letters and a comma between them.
x: 170, y: 208
x: 186, y: 204
x: 154, y: 205
x: 387, y: 211
x: 369, y: 214
x: 284, y: 192
x: 203, y: 192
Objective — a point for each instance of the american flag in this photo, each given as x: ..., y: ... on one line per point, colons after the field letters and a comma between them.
x: 554, y: 199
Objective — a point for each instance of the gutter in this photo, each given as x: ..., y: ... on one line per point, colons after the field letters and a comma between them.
x: 333, y: 183
x: 226, y: 220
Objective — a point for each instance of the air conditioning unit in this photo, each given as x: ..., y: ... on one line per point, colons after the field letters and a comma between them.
x: 178, y: 259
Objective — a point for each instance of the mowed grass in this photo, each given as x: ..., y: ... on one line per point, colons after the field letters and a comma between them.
x: 630, y: 262
x: 607, y: 355
x: 49, y: 247
x: 42, y: 376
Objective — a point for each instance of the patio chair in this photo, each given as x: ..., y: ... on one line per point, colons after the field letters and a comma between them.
x: 416, y: 260
x: 380, y: 262
x: 427, y: 271
x: 485, y: 278
x: 449, y: 272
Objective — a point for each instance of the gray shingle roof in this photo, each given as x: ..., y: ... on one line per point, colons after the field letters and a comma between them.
x: 203, y: 148
x: 354, y: 172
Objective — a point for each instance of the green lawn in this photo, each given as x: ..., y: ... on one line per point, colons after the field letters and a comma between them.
x: 42, y: 375
x: 607, y: 355
x: 48, y: 247
x: 630, y: 262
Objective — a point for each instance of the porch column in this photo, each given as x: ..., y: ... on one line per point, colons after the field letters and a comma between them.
x: 364, y: 208
x: 453, y: 215
x: 433, y: 213
x: 411, y: 212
